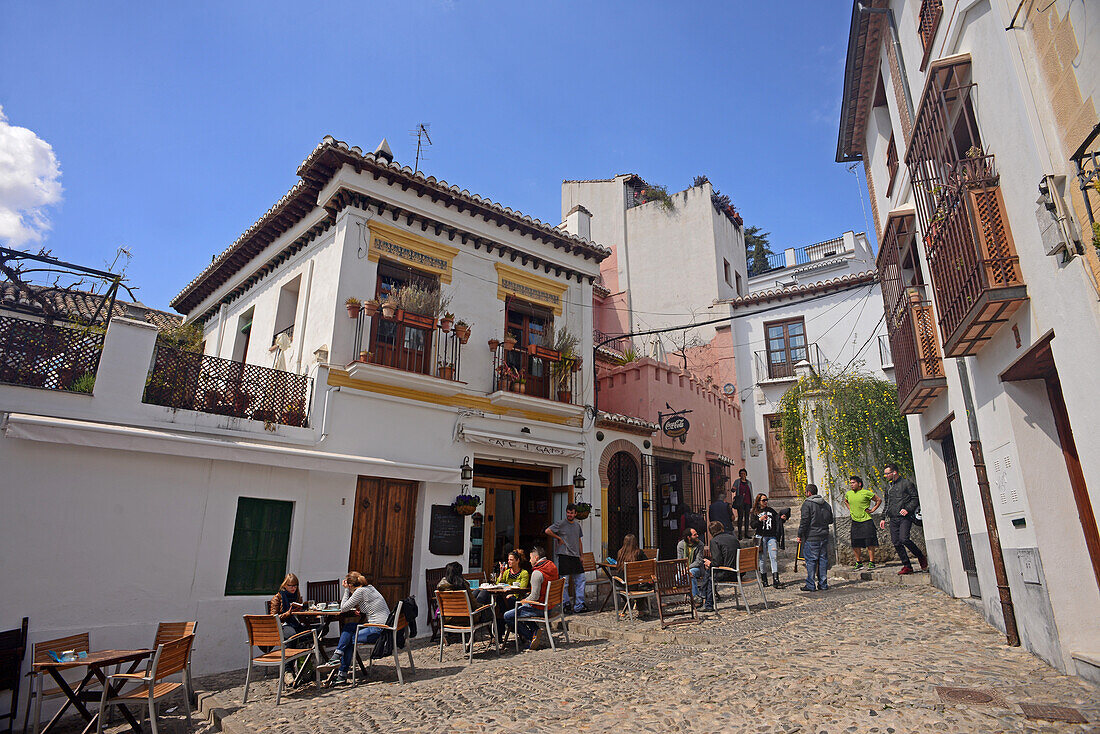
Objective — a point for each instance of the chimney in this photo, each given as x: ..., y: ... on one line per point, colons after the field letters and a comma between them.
x: 579, y: 222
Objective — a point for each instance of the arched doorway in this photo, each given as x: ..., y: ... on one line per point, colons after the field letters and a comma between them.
x: 622, y: 499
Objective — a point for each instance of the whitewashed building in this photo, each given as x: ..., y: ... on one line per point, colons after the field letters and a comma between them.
x: 184, y: 486
x: 977, y: 125
x: 820, y: 304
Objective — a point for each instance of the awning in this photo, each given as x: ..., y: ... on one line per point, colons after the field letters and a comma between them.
x: 149, y: 440
x: 531, y: 445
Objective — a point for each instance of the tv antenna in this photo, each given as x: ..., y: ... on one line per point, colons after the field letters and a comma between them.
x: 422, y: 140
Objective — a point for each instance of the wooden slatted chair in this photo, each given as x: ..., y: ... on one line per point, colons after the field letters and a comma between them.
x: 168, y: 631
x: 399, y: 623
x: 456, y: 615
x: 588, y: 561
x: 169, y: 659
x: 653, y: 554
x: 746, y: 563
x: 637, y: 581
x: 13, y: 647
x: 552, y: 611
x: 38, y: 693
x: 432, y: 577
x: 265, y: 631
x: 673, y: 582
x: 326, y: 592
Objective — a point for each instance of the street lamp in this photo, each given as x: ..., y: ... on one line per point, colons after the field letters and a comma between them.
x: 467, y: 470
x: 578, y: 479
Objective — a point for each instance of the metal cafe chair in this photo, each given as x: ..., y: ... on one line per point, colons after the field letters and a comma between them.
x: 456, y: 615
x: 169, y: 659
x: 265, y: 631
x: 746, y: 563
x: 551, y: 612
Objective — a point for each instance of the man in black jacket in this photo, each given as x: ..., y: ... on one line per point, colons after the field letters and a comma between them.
x: 723, y: 551
x: 902, y: 503
x: 813, y: 532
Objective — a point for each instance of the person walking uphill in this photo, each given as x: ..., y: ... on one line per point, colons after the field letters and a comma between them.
x: 568, y: 533
x: 765, y: 521
x: 902, y: 504
x: 813, y: 532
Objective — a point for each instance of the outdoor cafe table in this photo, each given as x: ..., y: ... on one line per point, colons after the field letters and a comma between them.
x: 609, y: 571
x: 96, y: 662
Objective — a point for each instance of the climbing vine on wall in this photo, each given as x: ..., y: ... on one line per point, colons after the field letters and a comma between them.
x: 859, y: 427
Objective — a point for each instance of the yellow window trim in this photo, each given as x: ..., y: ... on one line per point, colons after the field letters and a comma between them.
x: 409, y: 249
x: 531, y: 288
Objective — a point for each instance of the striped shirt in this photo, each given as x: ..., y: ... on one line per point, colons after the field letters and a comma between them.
x: 368, y: 601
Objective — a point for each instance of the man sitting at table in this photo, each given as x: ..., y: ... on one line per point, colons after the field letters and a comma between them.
x: 544, y: 572
x: 362, y: 598
x: 691, y: 548
x: 723, y: 551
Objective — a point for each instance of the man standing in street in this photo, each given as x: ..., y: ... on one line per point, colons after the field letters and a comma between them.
x: 698, y: 567
x: 742, y: 503
x: 902, y: 503
x: 568, y: 534
x: 720, y: 510
x: 864, y: 535
x: 813, y: 532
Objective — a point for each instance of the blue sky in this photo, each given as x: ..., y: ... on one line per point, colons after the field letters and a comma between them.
x: 176, y: 126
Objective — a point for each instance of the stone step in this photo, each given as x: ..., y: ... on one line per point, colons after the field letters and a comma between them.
x: 884, y: 574
x: 1087, y: 665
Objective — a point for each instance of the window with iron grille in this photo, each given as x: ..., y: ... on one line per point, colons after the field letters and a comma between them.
x: 786, y: 346
x: 261, y: 540
x: 530, y: 324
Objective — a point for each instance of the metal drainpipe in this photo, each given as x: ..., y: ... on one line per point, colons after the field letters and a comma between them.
x: 1008, y: 611
x: 889, y: 13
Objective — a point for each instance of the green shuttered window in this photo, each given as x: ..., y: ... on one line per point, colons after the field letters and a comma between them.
x: 261, y: 540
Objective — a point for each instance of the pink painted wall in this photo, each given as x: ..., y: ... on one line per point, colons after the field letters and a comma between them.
x: 642, y: 388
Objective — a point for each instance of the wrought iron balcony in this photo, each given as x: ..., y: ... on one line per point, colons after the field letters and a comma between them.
x: 621, y: 344
x: 191, y: 381
x: 780, y: 366
x: 915, y: 347
x: 55, y: 356
x: 538, y: 372
x: 411, y: 343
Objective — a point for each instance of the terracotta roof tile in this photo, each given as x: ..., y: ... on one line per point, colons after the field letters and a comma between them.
x: 80, y: 305
x: 804, y: 289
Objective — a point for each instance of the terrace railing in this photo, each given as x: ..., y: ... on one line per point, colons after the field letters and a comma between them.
x: 538, y: 372
x: 54, y: 356
x: 189, y: 381
x: 918, y: 364
x: 620, y: 344
x: 411, y: 343
x: 775, y: 366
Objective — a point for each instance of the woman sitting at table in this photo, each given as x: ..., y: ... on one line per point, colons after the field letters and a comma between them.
x: 629, y: 553
x: 360, y: 597
x: 280, y: 606
x: 517, y: 572
x: 453, y: 581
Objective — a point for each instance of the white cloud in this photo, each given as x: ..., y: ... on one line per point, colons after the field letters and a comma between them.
x: 30, y: 181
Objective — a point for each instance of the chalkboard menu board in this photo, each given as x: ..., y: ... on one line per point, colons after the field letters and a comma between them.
x: 446, y: 531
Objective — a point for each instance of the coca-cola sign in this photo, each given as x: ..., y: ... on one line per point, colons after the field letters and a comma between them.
x: 676, y: 426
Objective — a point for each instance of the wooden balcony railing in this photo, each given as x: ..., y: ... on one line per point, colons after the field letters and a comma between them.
x: 538, y: 372
x: 190, y: 381
x: 57, y: 356
x: 975, y: 269
x: 915, y: 348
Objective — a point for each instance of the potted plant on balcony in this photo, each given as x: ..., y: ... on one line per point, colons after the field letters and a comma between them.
x: 565, y: 344
x: 389, y: 306
x: 494, y: 344
x: 462, y: 330
x: 584, y: 509
x: 354, y: 306
x: 506, y: 376
x: 446, y: 322
x: 510, y: 340
x: 446, y: 370
x: 371, y: 307
x: 364, y: 355
x: 466, y: 504
x: 914, y: 295
x: 421, y: 306
x: 520, y: 384
x: 295, y: 415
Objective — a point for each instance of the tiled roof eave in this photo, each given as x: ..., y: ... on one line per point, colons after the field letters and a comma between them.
x: 805, y: 289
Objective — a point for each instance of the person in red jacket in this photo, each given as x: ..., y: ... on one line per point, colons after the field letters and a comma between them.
x: 544, y: 571
x: 742, y: 502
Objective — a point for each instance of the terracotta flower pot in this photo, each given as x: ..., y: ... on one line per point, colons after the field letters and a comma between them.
x: 446, y: 324
x: 509, y: 344
x: 494, y: 344
x: 353, y: 310
x: 371, y: 308
x: 388, y: 310
x: 463, y: 333
x: 565, y: 396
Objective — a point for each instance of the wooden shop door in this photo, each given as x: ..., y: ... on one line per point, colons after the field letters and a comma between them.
x: 382, y: 535
x: 779, y: 478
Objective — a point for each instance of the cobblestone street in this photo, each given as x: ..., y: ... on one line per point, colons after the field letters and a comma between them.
x: 862, y: 657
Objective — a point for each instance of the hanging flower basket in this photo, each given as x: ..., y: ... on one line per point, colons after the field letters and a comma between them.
x: 466, y: 504
x: 583, y: 510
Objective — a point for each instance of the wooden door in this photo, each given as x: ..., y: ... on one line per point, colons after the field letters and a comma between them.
x: 382, y: 534
x: 779, y: 479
